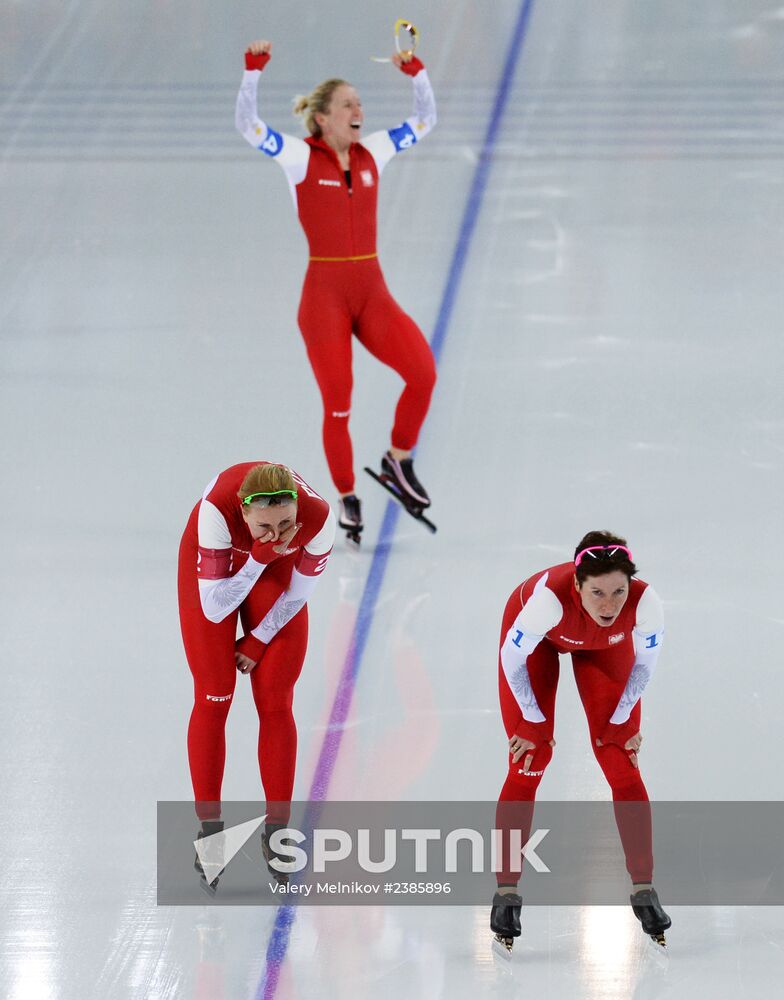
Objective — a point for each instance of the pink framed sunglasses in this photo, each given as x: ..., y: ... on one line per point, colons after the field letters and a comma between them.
x: 610, y: 552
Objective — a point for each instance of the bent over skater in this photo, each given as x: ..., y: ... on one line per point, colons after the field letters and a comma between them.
x: 611, y: 624
x: 254, y: 548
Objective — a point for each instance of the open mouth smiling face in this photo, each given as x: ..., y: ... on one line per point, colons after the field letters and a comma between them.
x: 344, y: 119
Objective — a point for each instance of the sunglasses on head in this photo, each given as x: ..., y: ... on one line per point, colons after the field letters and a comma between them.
x: 610, y: 552
x: 274, y: 493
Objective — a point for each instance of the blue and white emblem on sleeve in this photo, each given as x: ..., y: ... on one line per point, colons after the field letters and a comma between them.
x: 273, y: 144
x: 403, y: 136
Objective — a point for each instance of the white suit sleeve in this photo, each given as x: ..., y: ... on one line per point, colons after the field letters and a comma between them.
x: 383, y: 145
x: 290, y: 152
x: 542, y: 612
x: 648, y: 635
x: 220, y: 592
x: 304, y: 577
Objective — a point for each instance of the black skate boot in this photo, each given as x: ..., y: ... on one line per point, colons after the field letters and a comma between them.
x: 212, y: 854
x: 401, y: 472
x: 285, y: 865
x: 648, y: 911
x: 505, y: 920
x: 398, y: 479
x: 350, y: 518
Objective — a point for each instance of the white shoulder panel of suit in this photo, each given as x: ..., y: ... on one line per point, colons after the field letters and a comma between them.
x: 213, y: 530
x: 289, y: 151
x: 648, y: 636
x: 325, y: 539
x: 384, y: 144
x: 540, y: 613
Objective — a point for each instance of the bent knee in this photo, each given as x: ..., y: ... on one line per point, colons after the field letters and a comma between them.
x: 537, y: 767
x: 423, y: 378
x: 616, y: 764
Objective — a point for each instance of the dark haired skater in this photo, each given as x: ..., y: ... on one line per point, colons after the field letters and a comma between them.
x: 612, y: 626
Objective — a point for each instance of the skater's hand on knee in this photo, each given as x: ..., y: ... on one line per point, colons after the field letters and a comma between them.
x: 244, y: 663
x: 614, y: 734
x: 527, y: 738
x: 632, y: 747
x: 520, y: 747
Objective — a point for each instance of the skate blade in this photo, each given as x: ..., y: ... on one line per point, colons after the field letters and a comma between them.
x: 211, y: 888
x: 502, y: 947
x: 414, y: 510
x: 656, y: 956
x: 659, y: 940
x: 354, y: 538
x: 281, y: 877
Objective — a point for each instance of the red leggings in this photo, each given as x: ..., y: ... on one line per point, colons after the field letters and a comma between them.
x: 601, y: 677
x: 209, y: 648
x: 345, y: 297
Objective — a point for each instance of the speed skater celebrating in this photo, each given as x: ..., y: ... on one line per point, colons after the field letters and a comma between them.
x: 612, y: 626
x: 254, y: 547
x: 333, y: 177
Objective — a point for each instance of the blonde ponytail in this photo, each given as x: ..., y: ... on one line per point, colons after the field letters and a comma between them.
x: 316, y: 102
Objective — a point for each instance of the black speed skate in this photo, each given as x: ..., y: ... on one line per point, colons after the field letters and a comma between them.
x: 649, y: 912
x: 283, y: 861
x: 350, y: 517
x: 212, y: 853
x: 505, y: 921
x: 401, y: 472
x: 397, y: 477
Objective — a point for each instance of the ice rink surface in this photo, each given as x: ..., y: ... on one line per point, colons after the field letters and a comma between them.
x: 612, y: 359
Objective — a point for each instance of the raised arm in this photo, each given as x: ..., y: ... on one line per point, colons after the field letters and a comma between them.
x: 383, y: 145
x: 289, y: 151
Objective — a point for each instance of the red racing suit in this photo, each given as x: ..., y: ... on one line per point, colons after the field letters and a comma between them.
x: 344, y: 291
x: 220, y: 582
x: 543, y: 617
